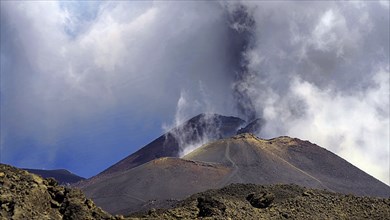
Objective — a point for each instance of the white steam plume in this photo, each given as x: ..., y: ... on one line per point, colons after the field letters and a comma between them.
x: 316, y: 70
x: 321, y: 72
x: 195, y: 133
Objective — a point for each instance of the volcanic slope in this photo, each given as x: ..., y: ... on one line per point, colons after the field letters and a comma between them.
x: 149, y: 184
x: 288, y: 160
x: 253, y: 127
x: 28, y: 196
x: 61, y: 175
x: 241, y: 159
x: 203, y: 126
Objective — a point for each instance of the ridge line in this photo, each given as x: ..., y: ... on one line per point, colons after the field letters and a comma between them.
x: 307, y: 174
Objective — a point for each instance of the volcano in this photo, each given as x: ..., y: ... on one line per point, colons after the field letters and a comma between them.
x: 243, y: 158
x: 196, y: 131
x: 64, y: 177
x: 201, y: 127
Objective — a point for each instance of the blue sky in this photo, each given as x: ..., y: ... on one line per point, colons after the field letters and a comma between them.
x: 84, y: 84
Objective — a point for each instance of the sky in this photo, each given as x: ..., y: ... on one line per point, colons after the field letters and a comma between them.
x: 84, y: 83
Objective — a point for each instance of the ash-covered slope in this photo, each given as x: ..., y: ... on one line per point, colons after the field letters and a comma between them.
x: 27, y: 196
x: 241, y: 159
x: 288, y: 160
x: 153, y: 182
x: 249, y: 201
x: 199, y: 128
x: 61, y: 175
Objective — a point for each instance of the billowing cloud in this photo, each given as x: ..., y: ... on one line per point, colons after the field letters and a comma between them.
x: 82, y: 77
x: 322, y: 74
x: 65, y: 73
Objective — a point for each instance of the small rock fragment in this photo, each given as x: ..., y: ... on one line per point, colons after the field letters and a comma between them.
x: 209, y: 207
x: 54, y: 204
x: 262, y: 200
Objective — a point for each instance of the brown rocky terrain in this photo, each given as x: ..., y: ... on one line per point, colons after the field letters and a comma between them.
x: 27, y: 196
x: 243, y: 158
x: 250, y: 201
x: 150, y: 184
x: 288, y: 160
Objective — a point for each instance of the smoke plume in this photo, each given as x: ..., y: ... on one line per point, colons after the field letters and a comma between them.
x: 310, y: 71
x: 102, y: 77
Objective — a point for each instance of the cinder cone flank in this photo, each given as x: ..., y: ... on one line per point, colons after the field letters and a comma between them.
x: 243, y: 158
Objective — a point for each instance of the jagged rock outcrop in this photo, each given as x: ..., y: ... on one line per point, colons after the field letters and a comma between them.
x: 27, y: 196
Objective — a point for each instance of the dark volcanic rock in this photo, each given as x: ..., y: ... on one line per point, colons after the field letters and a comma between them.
x: 209, y: 207
x: 262, y: 200
x: 28, y: 196
x: 253, y: 127
x: 277, y: 201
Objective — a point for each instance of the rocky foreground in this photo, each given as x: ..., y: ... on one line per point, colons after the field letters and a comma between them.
x: 249, y: 201
x: 28, y: 196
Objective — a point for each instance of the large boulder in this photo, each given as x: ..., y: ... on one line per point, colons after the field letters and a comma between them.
x: 27, y: 196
